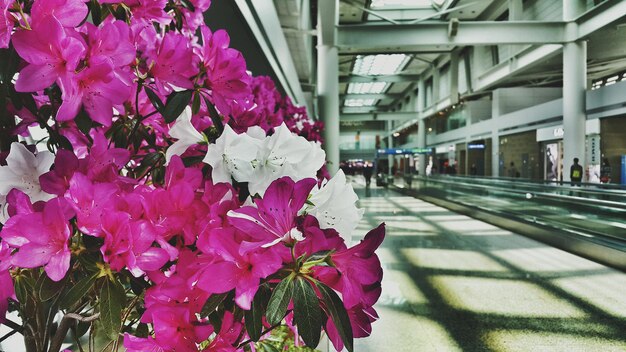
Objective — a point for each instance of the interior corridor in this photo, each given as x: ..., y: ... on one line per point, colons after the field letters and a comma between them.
x: 453, y: 283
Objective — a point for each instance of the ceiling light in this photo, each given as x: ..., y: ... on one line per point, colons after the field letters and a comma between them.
x: 401, y: 3
x: 359, y: 102
x: 367, y: 88
x: 384, y: 64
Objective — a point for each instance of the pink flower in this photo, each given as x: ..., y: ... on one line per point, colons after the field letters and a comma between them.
x: 361, y: 319
x: 274, y: 218
x: 358, y: 268
x: 103, y: 162
x: 7, y: 22
x: 241, y: 272
x: 70, y: 13
x: 90, y: 201
x: 139, y: 344
x: 174, y: 329
x: 97, y: 89
x: 6, y: 282
x: 51, y: 53
x: 228, y: 335
x: 57, y: 180
x: 111, y: 40
x: 173, y: 64
x: 146, y: 10
x: 41, y: 238
x: 225, y: 69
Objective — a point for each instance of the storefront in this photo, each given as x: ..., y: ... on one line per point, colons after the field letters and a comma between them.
x: 551, y: 139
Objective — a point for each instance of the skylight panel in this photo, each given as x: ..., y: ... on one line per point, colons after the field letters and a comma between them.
x: 367, y: 88
x: 400, y: 3
x: 359, y: 102
x: 372, y: 65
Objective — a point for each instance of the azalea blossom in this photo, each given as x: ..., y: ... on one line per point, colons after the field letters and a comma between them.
x: 22, y: 172
x: 7, y: 22
x: 234, y: 270
x: 285, y: 154
x: 272, y: 219
x: 334, y: 205
x: 225, y: 68
x: 97, y: 89
x: 6, y: 282
x: 186, y: 134
x: 70, y: 13
x: 232, y: 155
x: 41, y: 238
x: 51, y: 53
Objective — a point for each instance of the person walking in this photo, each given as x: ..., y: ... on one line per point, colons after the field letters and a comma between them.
x: 576, y: 173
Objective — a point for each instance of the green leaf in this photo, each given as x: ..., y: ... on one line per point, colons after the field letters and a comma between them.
x: 142, y: 330
x: 195, y: 105
x: 306, y: 312
x: 319, y: 256
x: 267, y: 347
x: 83, y: 122
x: 277, y: 306
x: 77, y: 292
x: 254, y: 316
x: 96, y: 12
x: 188, y: 4
x: 176, y: 104
x: 48, y: 289
x: 112, y: 300
x: 154, y: 99
x: 338, y: 313
x: 24, y: 288
x: 215, y: 116
x: 212, y: 303
x: 81, y: 329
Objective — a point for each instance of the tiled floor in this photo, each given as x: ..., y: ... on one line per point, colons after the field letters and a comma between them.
x: 452, y: 283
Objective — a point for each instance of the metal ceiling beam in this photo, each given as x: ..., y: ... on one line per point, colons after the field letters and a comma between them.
x: 370, y: 96
x: 380, y: 116
x: 385, y: 78
x: 516, y: 64
x: 600, y: 17
x: 411, y: 37
x: 264, y: 24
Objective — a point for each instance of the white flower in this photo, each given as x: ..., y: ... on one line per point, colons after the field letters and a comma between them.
x: 22, y: 172
x: 232, y: 155
x: 186, y: 134
x: 334, y: 205
x: 285, y: 154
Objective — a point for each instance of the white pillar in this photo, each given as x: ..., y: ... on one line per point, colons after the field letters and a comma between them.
x: 454, y: 76
x: 421, y: 125
x: 328, y: 102
x: 516, y: 10
x: 495, y: 134
x: 390, y: 157
x: 328, y: 80
x: 574, y: 97
x: 436, y: 87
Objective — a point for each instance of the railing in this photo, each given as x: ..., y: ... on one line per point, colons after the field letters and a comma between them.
x: 588, y: 213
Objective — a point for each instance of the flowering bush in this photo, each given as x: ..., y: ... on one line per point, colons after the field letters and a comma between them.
x: 181, y: 204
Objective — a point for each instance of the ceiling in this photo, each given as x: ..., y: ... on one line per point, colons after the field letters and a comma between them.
x: 383, y: 93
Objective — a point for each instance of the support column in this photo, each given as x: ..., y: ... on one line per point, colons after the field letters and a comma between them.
x: 574, y: 89
x: 328, y: 80
x: 390, y: 157
x: 454, y: 76
x: 495, y: 134
x: 421, y: 126
x: 328, y: 102
x: 436, y: 87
